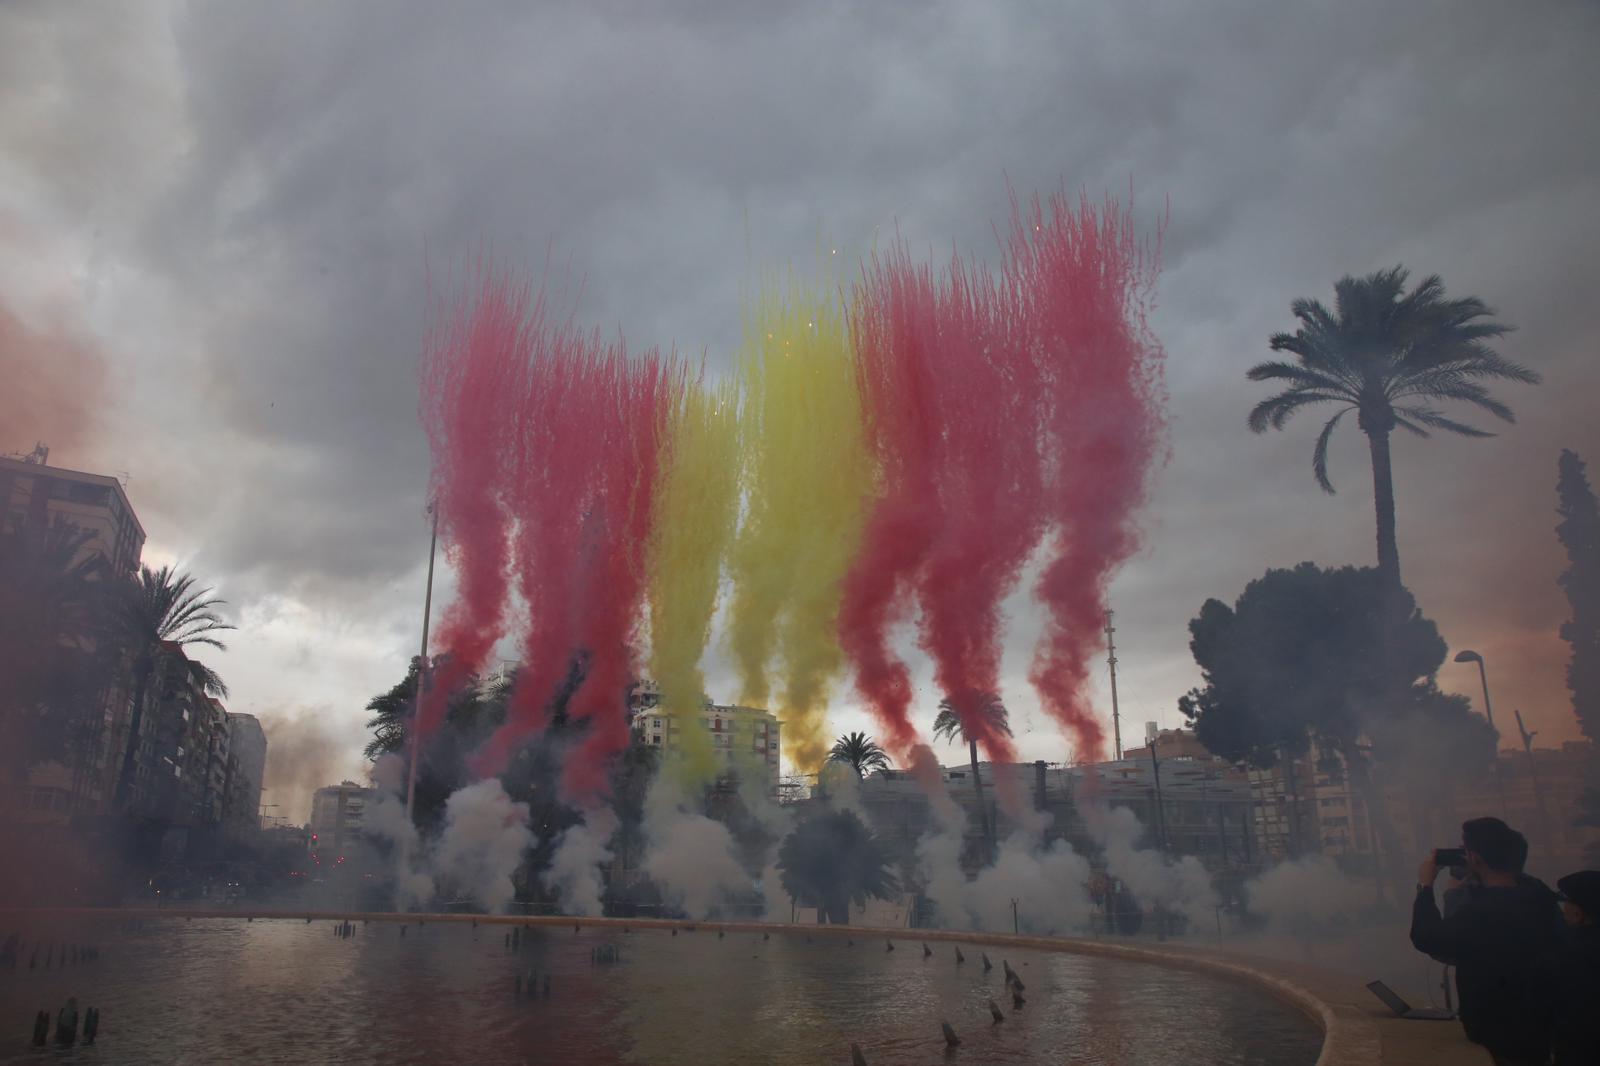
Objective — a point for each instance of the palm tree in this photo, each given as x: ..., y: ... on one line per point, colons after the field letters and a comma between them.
x: 52, y: 653
x: 161, y: 613
x: 832, y: 860
x: 1390, y: 356
x: 860, y: 752
x: 947, y: 726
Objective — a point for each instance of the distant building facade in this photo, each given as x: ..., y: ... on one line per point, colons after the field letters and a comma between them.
x: 740, y: 736
x: 338, y: 820
x: 35, y: 496
x: 247, y: 770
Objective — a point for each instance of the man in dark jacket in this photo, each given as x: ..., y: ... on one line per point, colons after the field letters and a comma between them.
x: 1574, y: 975
x: 1496, y: 939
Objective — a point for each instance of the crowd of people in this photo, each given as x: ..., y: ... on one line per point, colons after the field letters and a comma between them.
x: 1527, y: 959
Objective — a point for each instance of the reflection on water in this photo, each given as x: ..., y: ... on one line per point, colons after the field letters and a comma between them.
x: 225, y: 991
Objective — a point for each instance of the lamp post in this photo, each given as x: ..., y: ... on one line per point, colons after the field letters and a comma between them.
x: 422, y: 669
x: 1469, y: 656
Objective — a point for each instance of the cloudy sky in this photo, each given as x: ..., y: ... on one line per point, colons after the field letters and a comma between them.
x: 217, y: 224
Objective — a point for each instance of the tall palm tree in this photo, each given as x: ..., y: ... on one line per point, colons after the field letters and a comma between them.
x: 52, y: 652
x: 860, y: 752
x: 162, y: 611
x: 947, y: 726
x: 1390, y: 356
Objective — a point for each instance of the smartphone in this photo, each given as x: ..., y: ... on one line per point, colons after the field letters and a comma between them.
x: 1450, y: 857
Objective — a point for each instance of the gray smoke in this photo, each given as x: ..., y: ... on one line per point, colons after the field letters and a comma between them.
x: 580, y: 851
x: 1181, y: 886
x: 1305, y: 896
x: 690, y: 857
x: 485, y: 838
x: 385, y: 818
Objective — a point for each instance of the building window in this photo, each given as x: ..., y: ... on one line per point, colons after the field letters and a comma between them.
x: 656, y: 739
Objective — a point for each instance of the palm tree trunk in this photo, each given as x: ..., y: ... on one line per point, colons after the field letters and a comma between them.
x: 1383, y: 503
x: 141, y: 685
x: 983, y: 808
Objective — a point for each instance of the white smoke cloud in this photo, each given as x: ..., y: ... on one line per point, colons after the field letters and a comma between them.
x: 1182, y: 886
x: 1305, y: 896
x: 690, y: 857
x: 1048, y: 883
x: 386, y: 819
x: 485, y: 838
x: 574, y: 870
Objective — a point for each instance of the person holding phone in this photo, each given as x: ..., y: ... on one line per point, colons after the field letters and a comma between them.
x: 1496, y: 939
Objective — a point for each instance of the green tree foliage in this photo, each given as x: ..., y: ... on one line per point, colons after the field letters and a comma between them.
x: 859, y: 752
x: 159, y: 614
x: 55, y: 656
x: 1390, y: 356
x: 947, y: 727
x: 1308, y: 654
x: 832, y: 860
x: 1579, y: 532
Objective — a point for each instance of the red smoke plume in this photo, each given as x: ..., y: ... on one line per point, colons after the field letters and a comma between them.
x: 55, y: 385
x: 894, y: 307
x: 588, y: 424
x: 471, y: 360
x: 1088, y: 280
x: 999, y: 408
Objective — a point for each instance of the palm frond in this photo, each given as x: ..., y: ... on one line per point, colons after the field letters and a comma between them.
x: 1319, y: 455
x: 1429, y: 417
x: 1299, y: 376
x: 1274, y: 411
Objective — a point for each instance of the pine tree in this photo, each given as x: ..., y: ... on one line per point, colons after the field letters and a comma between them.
x: 1579, y: 532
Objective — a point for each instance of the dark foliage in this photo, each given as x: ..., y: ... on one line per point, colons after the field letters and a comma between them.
x: 832, y: 860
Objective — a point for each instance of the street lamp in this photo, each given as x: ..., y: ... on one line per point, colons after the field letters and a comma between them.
x: 1469, y: 656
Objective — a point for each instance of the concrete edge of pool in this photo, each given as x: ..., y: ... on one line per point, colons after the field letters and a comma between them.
x: 1352, y: 1031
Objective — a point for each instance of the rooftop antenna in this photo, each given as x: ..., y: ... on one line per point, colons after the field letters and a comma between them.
x: 1111, y: 661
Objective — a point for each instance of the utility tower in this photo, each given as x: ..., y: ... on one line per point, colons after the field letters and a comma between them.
x: 1111, y: 661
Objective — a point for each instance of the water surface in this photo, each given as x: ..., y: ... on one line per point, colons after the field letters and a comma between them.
x: 282, y: 991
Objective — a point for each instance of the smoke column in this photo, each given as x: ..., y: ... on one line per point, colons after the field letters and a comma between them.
x: 988, y: 481
x: 588, y: 430
x: 470, y: 363
x: 893, y: 304
x: 697, y: 506
x: 1087, y: 280
x: 806, y: 479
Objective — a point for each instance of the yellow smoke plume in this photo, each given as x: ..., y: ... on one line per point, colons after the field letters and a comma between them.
x: 806, y: 475
x: 697, y: 505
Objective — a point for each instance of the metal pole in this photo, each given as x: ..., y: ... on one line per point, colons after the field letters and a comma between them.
x: 1111, y: 661
x: 1533, y: 779
x: 1161, y: 813
x: 422, y: 670
x: 1488, y: 712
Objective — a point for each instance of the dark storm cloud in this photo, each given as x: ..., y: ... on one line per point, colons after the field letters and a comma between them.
x: 317, y: 159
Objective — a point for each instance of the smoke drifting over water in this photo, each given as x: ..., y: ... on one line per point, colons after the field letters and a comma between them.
x: 689, y: 856
x: 485, y: 837
x: 575, y: 866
